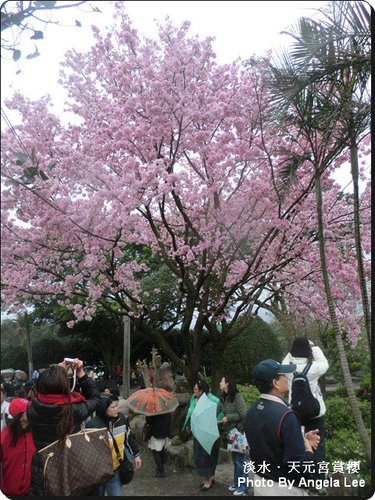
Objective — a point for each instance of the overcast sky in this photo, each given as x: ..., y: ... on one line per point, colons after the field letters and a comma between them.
x: 241, y: 29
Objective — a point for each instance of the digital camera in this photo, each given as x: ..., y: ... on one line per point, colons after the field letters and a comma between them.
x: 69, y: 361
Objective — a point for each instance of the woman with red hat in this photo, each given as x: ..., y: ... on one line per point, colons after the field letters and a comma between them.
x: 16, y: 451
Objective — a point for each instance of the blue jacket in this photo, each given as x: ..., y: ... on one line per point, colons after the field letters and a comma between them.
x: 273, y: 432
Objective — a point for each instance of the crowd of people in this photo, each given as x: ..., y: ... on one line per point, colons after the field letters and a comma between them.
x: 47, y: 408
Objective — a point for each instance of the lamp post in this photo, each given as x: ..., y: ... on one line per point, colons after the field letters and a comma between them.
x: 126, y: 358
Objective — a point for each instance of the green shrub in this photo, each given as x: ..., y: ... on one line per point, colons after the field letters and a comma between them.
x: 365, y: 408
x: 355, y: 366
x: 256, y: 342
x: 339, y: 413
x: 365, y: 387
x: 343, y: 442
x: 366, y: 381
x: 344, y: 445
x: 250, y: 394
x: 342, y: 392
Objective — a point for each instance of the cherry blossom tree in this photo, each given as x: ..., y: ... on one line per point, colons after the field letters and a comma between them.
x: 170, y: 152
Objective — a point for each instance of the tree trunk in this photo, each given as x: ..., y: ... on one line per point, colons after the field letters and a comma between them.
x: 29, y: 346
x: 358, y: 244
x: 332, y: 312
x: 217, y: 368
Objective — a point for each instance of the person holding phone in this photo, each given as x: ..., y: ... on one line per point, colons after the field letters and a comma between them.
x: 57, y: 410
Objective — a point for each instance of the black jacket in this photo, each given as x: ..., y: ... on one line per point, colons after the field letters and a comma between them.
x: 43, y: 420
x: 160, y: 425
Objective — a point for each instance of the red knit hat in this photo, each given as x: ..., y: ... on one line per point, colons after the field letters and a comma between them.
x: 17, y: 406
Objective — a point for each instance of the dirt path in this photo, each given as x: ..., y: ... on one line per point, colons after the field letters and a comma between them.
x: 183, y: 482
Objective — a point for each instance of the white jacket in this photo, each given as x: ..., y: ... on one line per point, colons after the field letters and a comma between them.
x: 317, y: 369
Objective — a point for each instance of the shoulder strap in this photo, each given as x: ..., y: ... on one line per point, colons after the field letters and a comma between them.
x: 281, y: 421
x: 116, y: 447
x: 307, y: 368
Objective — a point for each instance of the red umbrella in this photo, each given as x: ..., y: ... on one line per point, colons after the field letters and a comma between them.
x: 152, y: 401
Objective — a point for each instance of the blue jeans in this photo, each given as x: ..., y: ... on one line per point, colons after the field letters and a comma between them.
x: 113, y: 486
x: 239, y: 460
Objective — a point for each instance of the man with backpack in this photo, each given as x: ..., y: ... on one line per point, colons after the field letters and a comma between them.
x: 305, y: 354
x: 279, y: 450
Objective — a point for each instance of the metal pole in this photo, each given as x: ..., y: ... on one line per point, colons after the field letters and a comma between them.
x: 126, y: 359
x: 29, y: 345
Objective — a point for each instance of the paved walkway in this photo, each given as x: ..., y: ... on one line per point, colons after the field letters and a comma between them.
x: 178, y: 482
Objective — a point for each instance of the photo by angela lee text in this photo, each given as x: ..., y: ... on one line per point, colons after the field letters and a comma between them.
x: 352, y: 467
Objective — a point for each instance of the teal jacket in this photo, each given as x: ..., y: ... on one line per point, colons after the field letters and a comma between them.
x: 193, y: 403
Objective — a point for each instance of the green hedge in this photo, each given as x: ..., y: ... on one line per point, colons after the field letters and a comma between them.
x: 256, y: 342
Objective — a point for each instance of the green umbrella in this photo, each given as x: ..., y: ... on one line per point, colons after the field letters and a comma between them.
x: 203, y: 422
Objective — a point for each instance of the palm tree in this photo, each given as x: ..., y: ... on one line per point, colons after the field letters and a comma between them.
x: 336, y: 50
x: 320, y: 87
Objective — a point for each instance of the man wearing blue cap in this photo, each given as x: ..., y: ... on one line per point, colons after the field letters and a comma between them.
x: 281, y: 454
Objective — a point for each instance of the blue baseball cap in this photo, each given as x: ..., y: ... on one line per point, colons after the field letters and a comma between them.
x: 268, y: 369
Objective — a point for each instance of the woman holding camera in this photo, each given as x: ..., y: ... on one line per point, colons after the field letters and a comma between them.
x: 57, y: 411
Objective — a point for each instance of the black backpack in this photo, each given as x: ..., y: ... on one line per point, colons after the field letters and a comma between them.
x: 303, y: 402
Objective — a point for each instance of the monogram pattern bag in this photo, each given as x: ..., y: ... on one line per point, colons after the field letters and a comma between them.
x: 78, y: 465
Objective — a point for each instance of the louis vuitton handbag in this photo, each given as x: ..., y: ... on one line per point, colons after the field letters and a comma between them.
x: 77, y: 465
